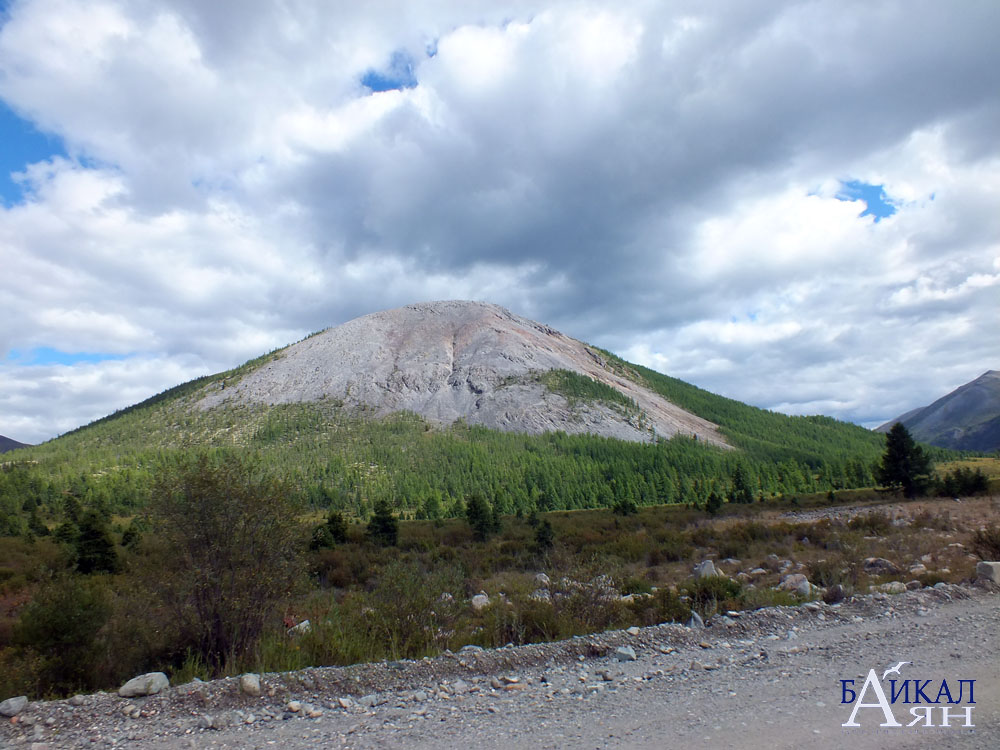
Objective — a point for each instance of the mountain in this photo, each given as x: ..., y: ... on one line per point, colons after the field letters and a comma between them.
x: 427, y: 405
x: 968, y: 418
x: 7, y: 444
x: 472, y: 361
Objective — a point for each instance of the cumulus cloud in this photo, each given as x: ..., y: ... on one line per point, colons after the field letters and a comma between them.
x: 662, y: 180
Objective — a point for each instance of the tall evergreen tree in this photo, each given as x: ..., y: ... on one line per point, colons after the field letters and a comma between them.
x: 95, y: 550
x: 904, y: 465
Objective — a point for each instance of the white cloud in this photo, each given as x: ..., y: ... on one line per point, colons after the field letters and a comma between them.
x: 658, y: 179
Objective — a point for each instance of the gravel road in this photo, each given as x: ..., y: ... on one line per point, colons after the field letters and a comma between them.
x: 767, y: 679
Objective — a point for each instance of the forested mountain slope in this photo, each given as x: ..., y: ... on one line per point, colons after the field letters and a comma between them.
x: 335, y: 451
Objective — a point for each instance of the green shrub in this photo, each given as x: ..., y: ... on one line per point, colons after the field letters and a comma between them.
x: 60, y: 628
x: 232, y: 549
x: 714, y: 593
x: 874, y: 523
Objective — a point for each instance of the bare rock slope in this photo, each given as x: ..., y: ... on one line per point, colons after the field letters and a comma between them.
x: 459, y: 360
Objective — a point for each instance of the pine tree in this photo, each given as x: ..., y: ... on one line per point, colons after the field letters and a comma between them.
x: 95, y: 550
x: 904, y: 465
x: 383, y: 528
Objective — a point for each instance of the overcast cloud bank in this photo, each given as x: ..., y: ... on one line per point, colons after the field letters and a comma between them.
x: 666, y: 180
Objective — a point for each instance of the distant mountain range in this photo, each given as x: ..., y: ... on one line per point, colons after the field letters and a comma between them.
x: 7, y: 444
x: 968, y: 418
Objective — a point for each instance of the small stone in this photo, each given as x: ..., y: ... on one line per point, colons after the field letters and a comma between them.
x: 633, y: 631
x: 542, y: 580
x: 13, y: 706
x: 460, y: 687
x: 625, y: 653
x: 77, y: 700
x: 480, y: 601
x: 250, y: 685
x: 705, y: 569
x: 880, y: 565
x: 293, y: 706
x: 694, y: 621
x: 346, y: 702
x: 301, y: 629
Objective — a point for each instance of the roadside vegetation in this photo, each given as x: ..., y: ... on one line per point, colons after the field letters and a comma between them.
x: 167, y: 537
x: 211, y: 575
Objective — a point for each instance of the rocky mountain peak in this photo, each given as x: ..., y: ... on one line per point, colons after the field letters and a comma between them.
x: 465, y: 360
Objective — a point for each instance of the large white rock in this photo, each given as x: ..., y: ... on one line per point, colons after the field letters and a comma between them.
x: 989, y: 570
x: 705, y: 569
x: 144, y: 684
x: 250, y: 684
x: 13, y: 706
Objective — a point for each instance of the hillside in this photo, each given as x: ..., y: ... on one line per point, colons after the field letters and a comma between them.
x: 968, y: 418
x: 322, y: 415
x: 472, y: 361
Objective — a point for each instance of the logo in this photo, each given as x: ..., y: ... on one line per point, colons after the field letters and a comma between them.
x: 919, y: 703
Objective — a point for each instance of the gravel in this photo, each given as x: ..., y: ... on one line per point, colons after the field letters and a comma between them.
x: 769, y: 678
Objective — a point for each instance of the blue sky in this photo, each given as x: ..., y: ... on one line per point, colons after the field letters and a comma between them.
x: 23, y: 144
x: 791, y: 204
x: 398, y: 75
x: 878, y: 204
x: 44, y: 355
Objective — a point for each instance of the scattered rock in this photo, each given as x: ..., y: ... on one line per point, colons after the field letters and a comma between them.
x: 694, y: 621
x: 77, y: 700
x: 480, y: 601
x: 542, y: 580
x: 301, y: 629
x: 797, y: 583
x: 250, y: 684
x: 13, y: 706
x: 917, y: 569
x: 989, y: 570
x: 541, y: 595
x: 705, y: 569
x: 880, y: 565
x: 892, y: 587
x: 633, y: 630
x: 625, y: 653
x: 146, y: 684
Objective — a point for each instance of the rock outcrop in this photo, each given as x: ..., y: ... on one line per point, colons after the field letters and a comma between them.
x: 459, y: 360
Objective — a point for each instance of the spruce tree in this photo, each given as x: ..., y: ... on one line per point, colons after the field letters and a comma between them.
x: 904, y: 465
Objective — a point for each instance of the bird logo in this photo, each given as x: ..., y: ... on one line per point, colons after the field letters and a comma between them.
x: 895, y: 669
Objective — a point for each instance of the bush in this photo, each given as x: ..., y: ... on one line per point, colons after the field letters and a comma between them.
x: 986, y: 543
x: 875, y: 523
x: 60, y: 627
x: 232, y: 550
x: 962, y: 482
x: 711, y: 594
